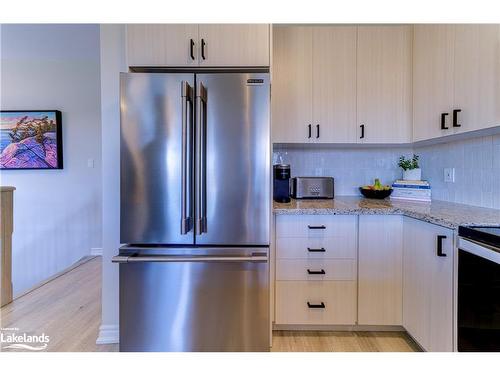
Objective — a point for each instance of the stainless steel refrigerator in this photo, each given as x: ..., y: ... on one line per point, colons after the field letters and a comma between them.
x: 195, y: 211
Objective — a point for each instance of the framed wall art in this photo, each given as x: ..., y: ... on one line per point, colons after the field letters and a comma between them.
x: 31, y: 140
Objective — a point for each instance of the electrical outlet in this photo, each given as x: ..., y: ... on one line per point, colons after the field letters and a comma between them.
x: 449, y: 175
x: 90, y: 163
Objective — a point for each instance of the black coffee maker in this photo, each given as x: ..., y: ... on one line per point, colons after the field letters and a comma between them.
x: 281, y: 191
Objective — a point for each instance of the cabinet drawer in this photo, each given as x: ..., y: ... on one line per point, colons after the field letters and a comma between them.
x: 307, y: 269
x: 315, y: 226
x: 338, y: 298
x: 316, y: 247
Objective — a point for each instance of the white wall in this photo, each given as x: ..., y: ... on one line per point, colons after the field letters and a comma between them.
x: 351, y: 166
x: 477, y: 170
x: 476, y: 160
x: 112, y: 62
x: 57, y: 213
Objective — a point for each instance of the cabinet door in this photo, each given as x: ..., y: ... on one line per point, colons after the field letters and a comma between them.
x: 428, y: 285
x: 291, y: 89
x: 384, y: 83
x: 380, y: 277
x: 234, y: 45
x: 162, y: 45
x: 441, y: 291
x: 334, y: 84
x: 416, y: 283
x: 477, y: 76
x: 432, y: 80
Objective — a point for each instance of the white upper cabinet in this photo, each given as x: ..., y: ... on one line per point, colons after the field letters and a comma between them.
x: 234, y: 45
x: 334, y: 84
x: 433, y: 61
x: 162, y: 45
x: 171, y: 45
x: 384, y: 74
x: 330, y: 80
x: 477, y: 76
x: 314, y: 84
x: 291, y: 90
x: 456, y: 79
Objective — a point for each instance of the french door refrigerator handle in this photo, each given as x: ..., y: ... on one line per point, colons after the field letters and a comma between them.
x: 257, y: 258
x: 186, y: 96
x: 201, y: 164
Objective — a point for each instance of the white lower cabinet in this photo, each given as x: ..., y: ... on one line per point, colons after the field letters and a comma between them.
x: 377, y: 270
x: 428, y: 284
x: 380, y: 262
x: 316, y: 269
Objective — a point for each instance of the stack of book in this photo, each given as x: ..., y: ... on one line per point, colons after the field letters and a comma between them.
x: 411, y: 190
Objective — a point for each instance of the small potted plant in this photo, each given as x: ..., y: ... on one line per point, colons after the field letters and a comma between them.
x: 410, y: 167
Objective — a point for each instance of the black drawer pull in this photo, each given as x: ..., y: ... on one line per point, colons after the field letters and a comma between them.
x: 316, y: 227
x: 316, y: 306
x: 440, y: 239
x: 322, y: 272
x: 311, y: 250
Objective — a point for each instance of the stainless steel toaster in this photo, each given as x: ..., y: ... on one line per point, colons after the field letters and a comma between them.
x: 312, y: 187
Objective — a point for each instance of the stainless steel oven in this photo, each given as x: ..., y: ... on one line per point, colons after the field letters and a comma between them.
x: 478, y: 317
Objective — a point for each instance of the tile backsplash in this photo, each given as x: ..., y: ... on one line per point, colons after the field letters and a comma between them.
x: 350, y: 167
x: 477, y: 170
x: 476, y: 162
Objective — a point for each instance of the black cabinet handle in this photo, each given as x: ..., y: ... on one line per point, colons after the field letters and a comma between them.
x: 317, y: 131
x: 362, y: 126
x: 191, y: 48
x: 313, y: 306
x: 316, y: 227
x: 321, y: 250
x: 309, y: 130
x: 443, y: 121
x: 440, y: 239
x: 321, y: 272
x: 203, y: 49
x: 455, y: 118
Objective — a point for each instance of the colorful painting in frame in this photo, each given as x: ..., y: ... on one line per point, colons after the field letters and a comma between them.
x: 30, y: 140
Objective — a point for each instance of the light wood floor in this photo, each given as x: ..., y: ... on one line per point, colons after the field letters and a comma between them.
x: 68, y: 309
x: 321, y: 341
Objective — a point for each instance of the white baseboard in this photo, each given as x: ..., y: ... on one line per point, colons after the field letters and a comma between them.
x: 108, y: 334
x: 83, y: 260
x: 96, y: 251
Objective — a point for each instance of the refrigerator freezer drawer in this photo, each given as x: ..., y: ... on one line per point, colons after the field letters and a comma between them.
x: 194, y: 300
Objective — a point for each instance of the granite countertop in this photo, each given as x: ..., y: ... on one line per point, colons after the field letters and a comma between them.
x: 446, y: 214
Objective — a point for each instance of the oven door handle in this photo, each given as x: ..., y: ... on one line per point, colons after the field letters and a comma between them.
x: 481, y: 250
